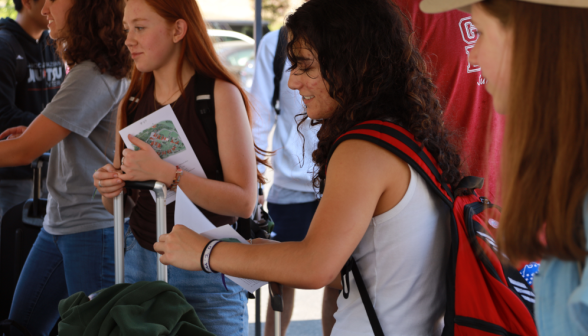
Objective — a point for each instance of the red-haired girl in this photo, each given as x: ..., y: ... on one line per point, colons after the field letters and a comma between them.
x: 172, y: 52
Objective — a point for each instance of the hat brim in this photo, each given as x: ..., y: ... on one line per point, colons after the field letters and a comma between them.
x: 439, y: 6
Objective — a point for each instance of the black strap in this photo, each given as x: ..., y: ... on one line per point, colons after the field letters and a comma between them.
x: 204, y: 95
x: 279, y: 63
x: 20, y: 57
x: 365, y: 297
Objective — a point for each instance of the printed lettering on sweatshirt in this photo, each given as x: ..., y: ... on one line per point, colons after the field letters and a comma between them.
x: 51, y: 73
x: 468, y: 33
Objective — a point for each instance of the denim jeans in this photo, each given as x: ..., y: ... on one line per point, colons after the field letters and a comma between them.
x: 223, y: 311
x: 57, y: 267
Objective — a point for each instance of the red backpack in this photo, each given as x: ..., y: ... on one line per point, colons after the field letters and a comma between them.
x: 484, y: 296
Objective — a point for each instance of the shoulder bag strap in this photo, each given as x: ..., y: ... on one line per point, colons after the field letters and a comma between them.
x: 20, y: 57
x: 204, y: 95
x: 279, y: 63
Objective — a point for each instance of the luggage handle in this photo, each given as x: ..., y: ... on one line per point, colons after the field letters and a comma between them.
x: 119, y: 226
x: 275, y: 292
x: 140, y: 185
x: 37, y: 166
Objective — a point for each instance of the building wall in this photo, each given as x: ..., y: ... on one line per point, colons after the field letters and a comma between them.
x: 233, y: 9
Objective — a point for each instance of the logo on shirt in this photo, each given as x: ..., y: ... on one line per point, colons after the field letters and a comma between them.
x: 51, y: 72
x: 19, y: 57
x: 468, y: 33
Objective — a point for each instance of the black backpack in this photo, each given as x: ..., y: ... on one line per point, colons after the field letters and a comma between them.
x: 250, y: 227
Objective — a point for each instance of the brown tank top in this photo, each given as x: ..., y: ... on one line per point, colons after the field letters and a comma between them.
x: 142, y: 219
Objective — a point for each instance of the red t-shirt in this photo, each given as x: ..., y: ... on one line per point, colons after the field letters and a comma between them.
x: 445, y: 40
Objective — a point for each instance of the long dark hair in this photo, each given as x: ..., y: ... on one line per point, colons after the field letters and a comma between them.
x: 95, y: 32
x: 373, y: 70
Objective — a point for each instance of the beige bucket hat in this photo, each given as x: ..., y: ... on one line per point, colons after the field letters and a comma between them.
x: 438, y: 6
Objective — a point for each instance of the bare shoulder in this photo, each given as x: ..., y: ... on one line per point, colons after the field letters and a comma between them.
x: 225, y: 89
x: 228, y: 99
x: 361, y: 167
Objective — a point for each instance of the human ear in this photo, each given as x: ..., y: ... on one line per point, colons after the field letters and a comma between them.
x: 180, y: 29
x: 27, y: 4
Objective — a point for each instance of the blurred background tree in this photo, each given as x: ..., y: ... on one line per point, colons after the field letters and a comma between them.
x: 7, y: 9
x: 272, y: 11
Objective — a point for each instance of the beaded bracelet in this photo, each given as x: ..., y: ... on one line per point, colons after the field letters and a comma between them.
x: 179, y: 173
x: 205, y: 258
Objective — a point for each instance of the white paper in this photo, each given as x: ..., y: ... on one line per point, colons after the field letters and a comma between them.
x: 161, y: 129
x: 189, y: 215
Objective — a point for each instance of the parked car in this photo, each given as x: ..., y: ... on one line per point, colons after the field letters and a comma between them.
x: 241, y: 26
x: 236, y: 51
x: 236, y: 55
x: 221, y: 35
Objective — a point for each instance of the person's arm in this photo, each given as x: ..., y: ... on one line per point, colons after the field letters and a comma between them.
x: 236, y: 195
x: 38, y: 138
x: 363, y: 180
x: 106, y: 178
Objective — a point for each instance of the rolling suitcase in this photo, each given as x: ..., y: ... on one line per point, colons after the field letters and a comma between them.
x: 160, y: 190
x: 18, y: 232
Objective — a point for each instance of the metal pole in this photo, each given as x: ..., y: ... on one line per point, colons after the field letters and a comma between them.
x: 161, y: 193
x: 258, y: 312
x: 258, y: 24
x: 277, y: 323
x: 119, y: 239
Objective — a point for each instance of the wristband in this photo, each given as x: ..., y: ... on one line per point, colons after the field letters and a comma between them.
x: 179, y: 173
x: 205, y: 257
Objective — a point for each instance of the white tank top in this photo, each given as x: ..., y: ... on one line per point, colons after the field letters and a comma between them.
x: 402, y: 258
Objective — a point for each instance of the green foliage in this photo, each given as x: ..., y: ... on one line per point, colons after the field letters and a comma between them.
x: 7, y: 9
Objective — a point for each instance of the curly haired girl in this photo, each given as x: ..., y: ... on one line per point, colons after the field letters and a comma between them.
x: 74, y: 250
x: 354, y: 61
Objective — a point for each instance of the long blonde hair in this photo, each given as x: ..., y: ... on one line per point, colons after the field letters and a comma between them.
x: 545, y: 152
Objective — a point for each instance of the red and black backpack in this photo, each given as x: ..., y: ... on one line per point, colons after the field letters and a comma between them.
x: 484, y: 296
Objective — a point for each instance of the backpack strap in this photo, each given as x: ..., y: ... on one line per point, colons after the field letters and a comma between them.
x: 351, y: 266
x: 204, y: 95
x: 403, y: 144
x: 279, y: 63
x: 20, y: 57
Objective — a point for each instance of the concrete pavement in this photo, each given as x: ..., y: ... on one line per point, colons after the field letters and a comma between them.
x: 306, y: 318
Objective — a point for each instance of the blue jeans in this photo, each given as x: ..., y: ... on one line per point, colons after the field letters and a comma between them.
x: 223, y: 311
x: 57, y: 267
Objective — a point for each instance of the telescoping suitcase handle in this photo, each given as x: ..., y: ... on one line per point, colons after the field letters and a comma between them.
x: 119, y: 235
